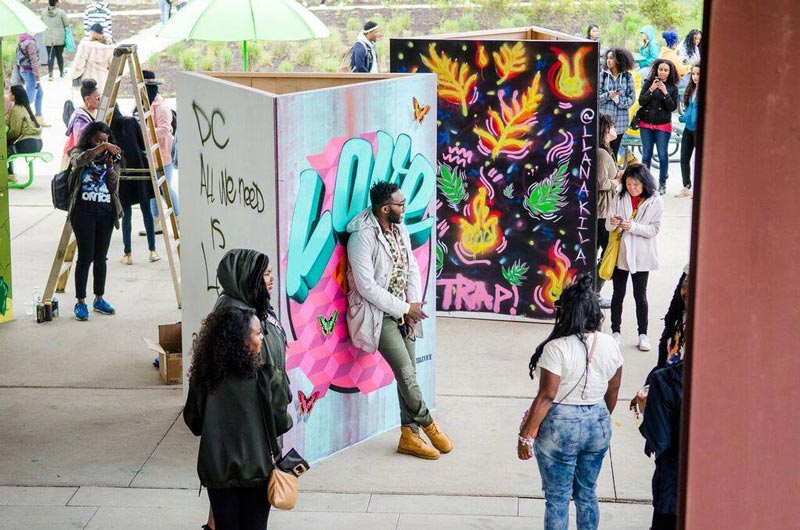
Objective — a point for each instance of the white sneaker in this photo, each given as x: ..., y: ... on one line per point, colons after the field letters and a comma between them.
x: 685, y: 192
x: 617, y: 338
x: 644, y: 343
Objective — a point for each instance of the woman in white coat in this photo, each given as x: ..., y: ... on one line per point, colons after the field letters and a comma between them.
x: 636, y: 212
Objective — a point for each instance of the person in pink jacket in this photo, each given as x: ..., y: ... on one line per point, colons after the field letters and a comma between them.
x: 162, y: 119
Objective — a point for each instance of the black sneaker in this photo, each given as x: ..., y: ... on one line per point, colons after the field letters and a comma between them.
x: 662, y: 189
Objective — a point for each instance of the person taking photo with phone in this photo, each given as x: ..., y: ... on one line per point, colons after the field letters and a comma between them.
x: 658, y: 100
x: 385, y: 309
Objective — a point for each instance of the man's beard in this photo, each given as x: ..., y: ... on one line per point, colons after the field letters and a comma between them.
x: 395, y: 218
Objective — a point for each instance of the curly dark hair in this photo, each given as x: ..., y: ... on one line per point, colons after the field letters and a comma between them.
x: 672, y: 79
x: 688, y: 42
x: 623, y: 58
x: 220, y: 348
x: 380, y: 193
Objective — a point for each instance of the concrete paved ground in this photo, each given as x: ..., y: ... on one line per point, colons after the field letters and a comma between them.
x: 91, y: 439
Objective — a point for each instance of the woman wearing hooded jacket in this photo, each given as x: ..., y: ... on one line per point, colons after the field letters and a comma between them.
x: 56, y: 21
x: 245, y: 277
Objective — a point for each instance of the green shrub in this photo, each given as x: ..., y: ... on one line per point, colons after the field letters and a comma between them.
x: 206, y: 62
x: 280, y: 49
x: 174, y: 51
x: 664, y: 13
x: 516, y: 20
x: 286, y: 67
x: 266, y: 60
x: 354, y: 25
x: 153, y: 61
x: 398, y: 24
x: 448, y: 25
x: 468, y: 22
x: 326, y: 64
x: 255, y: 52
x: 226, y: 58
x: 306, y: 55
x: 188, y: 59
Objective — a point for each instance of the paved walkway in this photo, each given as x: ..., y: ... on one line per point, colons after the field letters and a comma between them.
x: 91, y: 439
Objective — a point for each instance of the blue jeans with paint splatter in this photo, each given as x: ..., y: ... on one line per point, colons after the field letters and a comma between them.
x: 570, y: 447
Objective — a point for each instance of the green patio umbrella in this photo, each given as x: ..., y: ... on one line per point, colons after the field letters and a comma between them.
x: 244, y: 20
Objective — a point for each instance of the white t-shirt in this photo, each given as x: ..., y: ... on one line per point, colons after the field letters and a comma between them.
x: 566, y: 358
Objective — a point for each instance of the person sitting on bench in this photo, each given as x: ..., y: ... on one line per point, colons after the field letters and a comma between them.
x: 24, y: 132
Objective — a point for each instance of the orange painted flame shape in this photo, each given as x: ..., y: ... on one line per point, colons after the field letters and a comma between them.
x: 483, y: 234
x: 481, y: 56
x: 556, y: 278
x: 505, y: 131
x: 510, y: 62
x: 567, y: 80
x: 455, y: 83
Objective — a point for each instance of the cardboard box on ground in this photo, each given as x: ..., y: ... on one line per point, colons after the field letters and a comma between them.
x: 170, y: 352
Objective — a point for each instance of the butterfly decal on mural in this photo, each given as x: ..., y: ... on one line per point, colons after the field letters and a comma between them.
x: 306, y: 404
x: 420, y: 111
x: 327, y: 324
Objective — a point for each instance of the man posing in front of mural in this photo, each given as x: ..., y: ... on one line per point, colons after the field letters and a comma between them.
x: 385, y: 309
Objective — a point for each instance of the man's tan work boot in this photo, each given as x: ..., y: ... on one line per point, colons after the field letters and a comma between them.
x: 439, y: 439
x: 412, y: 444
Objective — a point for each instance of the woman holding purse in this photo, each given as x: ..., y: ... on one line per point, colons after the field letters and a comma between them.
x: 636, y: 214
x: 236, y: 415
x: 568, y: 426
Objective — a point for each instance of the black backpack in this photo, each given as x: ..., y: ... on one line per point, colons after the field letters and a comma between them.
x: 59, y: 190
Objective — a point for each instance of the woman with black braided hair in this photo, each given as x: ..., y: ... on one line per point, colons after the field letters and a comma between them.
x: 568, y: 426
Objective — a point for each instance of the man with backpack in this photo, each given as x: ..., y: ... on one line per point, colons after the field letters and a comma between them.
x: 363, y: 57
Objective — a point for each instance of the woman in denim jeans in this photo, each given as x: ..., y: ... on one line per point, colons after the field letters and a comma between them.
x: 568, y: 426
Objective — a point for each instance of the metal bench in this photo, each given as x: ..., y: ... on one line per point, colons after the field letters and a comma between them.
x: 29, y: 159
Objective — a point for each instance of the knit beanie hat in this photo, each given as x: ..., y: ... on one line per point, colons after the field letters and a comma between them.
x: 670, y: 37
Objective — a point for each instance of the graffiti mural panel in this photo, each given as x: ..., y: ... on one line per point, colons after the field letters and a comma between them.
x: 333, y: 145
x: 284, y: 174
x: 516, y: 144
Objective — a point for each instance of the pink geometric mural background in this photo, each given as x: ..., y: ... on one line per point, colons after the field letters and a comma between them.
x: 331, y: 359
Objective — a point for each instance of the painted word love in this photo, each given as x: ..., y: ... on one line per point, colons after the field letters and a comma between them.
x: 313, y: 233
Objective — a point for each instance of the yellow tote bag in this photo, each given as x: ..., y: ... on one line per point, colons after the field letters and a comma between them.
x: 610, y: 255
x: 611, y: 252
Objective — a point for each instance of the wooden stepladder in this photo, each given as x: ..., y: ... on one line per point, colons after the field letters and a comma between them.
x: 125, y: 54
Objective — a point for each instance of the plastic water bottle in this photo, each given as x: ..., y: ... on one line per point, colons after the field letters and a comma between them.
x: 29, y: 309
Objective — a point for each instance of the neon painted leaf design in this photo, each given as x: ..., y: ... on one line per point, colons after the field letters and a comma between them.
x: 440, y: 249
x: 546, y: 198
x: 451, y: 184
x: 455, y: 83
x: 510, y: 62
x: 505, y: 131
x: 508, y: 191
x: 516, y: 273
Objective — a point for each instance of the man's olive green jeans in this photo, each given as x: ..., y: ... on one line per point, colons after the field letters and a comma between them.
x: 400, y: 354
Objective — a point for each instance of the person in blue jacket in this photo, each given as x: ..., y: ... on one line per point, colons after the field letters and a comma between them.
x: 364, y: 57
x: 650, y: 49
x: 689, y: 139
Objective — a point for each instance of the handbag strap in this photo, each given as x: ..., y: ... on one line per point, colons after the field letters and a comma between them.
x: 264, y: 418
